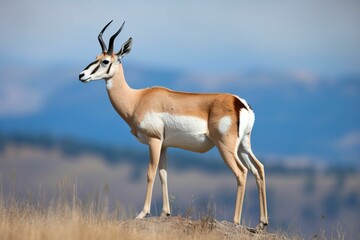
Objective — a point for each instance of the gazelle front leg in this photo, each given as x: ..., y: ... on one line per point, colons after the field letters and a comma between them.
x: 164, y: 186
x: 154, y: 149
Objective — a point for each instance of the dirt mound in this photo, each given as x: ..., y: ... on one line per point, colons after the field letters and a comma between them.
x: 184, y: 228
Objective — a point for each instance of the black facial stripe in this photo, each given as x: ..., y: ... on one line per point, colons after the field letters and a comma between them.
x: 108, y: 70
x: 94, y: 62
x: 95, y: 69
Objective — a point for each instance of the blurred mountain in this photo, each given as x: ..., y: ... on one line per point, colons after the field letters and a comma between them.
x: 296, y: 113
x: 300, y: 194
x: 112, y: 155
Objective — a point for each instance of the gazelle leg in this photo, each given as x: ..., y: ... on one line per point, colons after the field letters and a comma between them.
x: 260, y: 181
x: 163, y: 180
x: 229, y: 155
x: 257, y: 169
x: 154, y: 149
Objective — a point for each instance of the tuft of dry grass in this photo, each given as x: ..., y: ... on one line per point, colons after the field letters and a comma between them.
x: 31, y: 224
x: 65, y: 216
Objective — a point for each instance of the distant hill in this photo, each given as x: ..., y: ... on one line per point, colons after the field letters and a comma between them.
x: 179, y: 159
x: 295, y: 115
x: 301, y: 195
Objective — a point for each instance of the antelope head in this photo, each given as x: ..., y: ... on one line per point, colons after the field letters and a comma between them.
x: 106, y: 63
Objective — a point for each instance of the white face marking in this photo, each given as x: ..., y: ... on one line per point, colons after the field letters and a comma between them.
x: 100, y: 69
x: 224, y: 124
x: 185, y: 132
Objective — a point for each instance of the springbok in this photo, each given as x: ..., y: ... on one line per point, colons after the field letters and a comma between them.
x: 162, y: 118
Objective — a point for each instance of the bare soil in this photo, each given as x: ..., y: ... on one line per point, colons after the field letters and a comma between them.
x: 184, y: 228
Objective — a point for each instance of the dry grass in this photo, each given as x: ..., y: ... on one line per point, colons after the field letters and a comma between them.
x: 65, y: 216
x: 33, y: 224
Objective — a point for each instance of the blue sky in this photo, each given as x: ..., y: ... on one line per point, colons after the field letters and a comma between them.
x: 310, y: 40
x: 296, y: 62
x: 321, y: 37
x: 298, y: 57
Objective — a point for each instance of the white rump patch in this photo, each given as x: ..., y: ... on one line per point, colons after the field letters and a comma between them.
x: 246, y: 118
x: 244, y: 122
x: 224, y: 124
x: 243, y: 101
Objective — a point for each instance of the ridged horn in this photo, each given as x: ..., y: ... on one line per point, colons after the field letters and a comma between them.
x: 101, y: 41
x: 111, y: 41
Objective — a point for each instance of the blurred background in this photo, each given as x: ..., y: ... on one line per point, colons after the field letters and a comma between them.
x: 296, y: 63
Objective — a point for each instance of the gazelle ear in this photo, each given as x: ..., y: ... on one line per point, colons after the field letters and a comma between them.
x: 125, y: 49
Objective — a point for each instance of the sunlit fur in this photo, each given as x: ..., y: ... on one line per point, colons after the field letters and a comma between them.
x: 163, y: 118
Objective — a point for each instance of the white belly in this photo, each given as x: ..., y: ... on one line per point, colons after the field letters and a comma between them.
x: 186, y: 132
x: 196, y: 142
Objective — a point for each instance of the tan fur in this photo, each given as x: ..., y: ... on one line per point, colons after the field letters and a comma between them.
x: 133, y: 105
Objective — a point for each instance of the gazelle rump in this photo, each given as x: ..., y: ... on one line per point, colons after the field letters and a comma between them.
x: 163, y: 118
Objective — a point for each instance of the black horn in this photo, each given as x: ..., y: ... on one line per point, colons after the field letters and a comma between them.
x: 101, y: 41
x: 111, y: 41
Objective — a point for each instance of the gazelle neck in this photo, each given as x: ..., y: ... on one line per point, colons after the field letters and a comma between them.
x: 122, y: 97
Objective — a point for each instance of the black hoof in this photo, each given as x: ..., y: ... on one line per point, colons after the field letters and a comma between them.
x: 165, y: 214
x: 252, y: 230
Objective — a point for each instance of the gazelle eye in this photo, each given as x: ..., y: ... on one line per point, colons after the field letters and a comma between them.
x: 105, y: 62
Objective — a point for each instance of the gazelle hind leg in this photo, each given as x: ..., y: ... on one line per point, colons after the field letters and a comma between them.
x: 257, y: 169
x: 229, y: 154
x: 164, y: 185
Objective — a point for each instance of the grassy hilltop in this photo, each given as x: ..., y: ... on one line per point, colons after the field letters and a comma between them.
x: 38, y: 202
x: 65, y: 222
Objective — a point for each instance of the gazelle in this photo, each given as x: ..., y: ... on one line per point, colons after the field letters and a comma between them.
x: 163, y: 118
